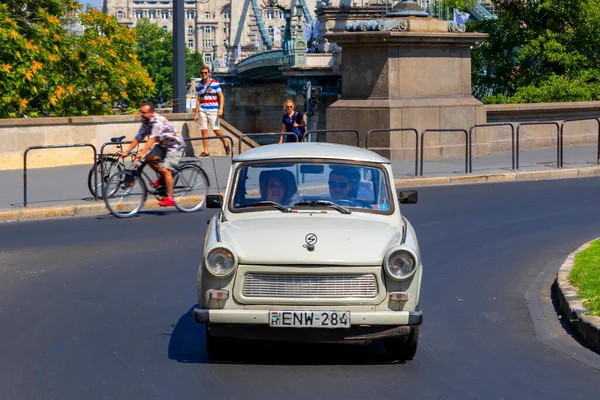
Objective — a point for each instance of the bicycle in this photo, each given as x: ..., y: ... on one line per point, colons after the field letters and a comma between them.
x: 113, y: 163
x: 125, y: 191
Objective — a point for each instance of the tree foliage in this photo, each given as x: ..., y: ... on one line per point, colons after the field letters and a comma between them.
x: 155, y: 49
x: 539, y: 51
x: 45, y: 70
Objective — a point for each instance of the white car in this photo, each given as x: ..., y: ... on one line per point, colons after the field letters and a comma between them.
x: 310, y: 245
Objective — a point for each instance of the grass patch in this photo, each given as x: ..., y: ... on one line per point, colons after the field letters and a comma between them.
x: 586, y: 276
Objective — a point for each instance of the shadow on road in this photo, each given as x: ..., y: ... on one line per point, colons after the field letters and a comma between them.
x: 188, y: 341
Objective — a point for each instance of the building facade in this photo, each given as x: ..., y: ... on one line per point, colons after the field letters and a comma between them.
x: 223, y: 31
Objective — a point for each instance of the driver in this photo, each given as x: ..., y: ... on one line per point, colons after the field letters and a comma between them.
x: 343, y: 183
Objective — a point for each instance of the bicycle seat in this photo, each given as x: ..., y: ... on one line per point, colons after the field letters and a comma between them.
x: 117, y: 139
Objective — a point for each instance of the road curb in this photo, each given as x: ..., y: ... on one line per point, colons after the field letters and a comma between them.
x: 90, y: 209
x: 586, y: 327
x: 467, y: 179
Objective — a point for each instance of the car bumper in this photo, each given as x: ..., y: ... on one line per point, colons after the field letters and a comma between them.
x: 261, y: 317
x: 253, y: 324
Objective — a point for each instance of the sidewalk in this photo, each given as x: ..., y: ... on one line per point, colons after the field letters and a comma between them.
x: 63, y: 190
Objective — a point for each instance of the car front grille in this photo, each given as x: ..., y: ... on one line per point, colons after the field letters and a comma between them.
x: 310, y: 286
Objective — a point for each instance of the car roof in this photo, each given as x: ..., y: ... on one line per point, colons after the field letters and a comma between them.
x: 310, y: 150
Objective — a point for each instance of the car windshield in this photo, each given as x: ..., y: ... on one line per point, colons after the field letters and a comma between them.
x: 343, y: 188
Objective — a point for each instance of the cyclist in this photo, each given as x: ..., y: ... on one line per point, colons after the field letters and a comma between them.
x: 168, y: 150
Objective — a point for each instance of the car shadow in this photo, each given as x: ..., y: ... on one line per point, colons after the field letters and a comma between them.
x: 188, y: 345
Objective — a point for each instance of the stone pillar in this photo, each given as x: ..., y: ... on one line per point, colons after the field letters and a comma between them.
x: 406, y: 73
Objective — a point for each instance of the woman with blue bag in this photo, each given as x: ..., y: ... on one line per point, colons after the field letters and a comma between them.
x: 292, y: 122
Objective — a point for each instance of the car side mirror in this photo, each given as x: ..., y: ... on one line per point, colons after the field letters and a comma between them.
x: 408, y: 196
x: 214, y: 201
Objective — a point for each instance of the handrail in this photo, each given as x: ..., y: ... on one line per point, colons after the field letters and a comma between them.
x: 332, y: 131
x: 541, y: 123
x: 562, y: 126
x: 55, y: 146
x: 399, y: 130
x: 446, y: 130
x: 472, y: 128
x: 264, y: 134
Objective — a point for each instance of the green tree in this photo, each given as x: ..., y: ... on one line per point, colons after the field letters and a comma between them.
x: 193, y: 64
x: 47, y: 71
x: 539, y: 51
x: 155, y: 51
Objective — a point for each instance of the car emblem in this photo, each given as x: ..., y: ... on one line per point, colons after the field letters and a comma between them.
x: 311, y: 240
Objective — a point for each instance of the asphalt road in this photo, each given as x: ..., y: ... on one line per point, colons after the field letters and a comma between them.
x: 100, y: 308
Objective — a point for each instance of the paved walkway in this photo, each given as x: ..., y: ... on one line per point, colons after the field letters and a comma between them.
x: 67, y: 186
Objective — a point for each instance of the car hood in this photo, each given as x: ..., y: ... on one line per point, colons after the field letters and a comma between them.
x: 357, y: 239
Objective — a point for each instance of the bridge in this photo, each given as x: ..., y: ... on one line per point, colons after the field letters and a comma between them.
x: 292, y: 60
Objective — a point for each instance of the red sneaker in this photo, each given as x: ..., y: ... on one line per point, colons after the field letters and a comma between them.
x: 168, y: 202
x: 157, y: 183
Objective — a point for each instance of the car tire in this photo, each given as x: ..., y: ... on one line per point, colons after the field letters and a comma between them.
x: 217, y: 347
x: 403, y: 348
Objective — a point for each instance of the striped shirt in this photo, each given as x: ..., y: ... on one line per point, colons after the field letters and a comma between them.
x: 208, y: 95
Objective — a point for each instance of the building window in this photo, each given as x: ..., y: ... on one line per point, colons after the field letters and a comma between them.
x: 271, y: 31
x: 208, y: 43
x: 190, y: 14
x: 269, y: 14
x: 139, y: 14
x: 227, y: 15
x: 207, y: 15
x: 152, y: 14
x: 164, y: 14
x: 207, y: 29
x: 207, y: 58
x: 281, y: 15
x: 190, y: 30
x: 119, y: 14
x: 165, y: 29
x: 190, y: 44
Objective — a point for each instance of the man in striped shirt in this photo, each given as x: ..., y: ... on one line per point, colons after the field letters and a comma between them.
x: 209, y: 108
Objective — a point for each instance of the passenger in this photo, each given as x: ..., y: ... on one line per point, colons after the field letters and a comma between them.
x: 278, y: 186
x: 343, y: 183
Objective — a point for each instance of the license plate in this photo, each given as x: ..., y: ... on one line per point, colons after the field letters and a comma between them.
x: 309, y: 319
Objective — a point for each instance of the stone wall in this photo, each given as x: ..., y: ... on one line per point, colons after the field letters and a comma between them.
x: 257, y: 108
x: 18, y: 134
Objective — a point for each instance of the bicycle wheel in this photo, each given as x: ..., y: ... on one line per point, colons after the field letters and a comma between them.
x: 190, y: 187
x: 127, y: 194
x: 111, y: 166
x: 149, y: 176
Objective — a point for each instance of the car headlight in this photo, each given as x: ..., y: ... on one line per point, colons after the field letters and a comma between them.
x: 399, y: 263
x: 220, y: 262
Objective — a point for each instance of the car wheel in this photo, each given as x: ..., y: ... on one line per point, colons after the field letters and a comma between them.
x: 403, y: 348
x: 217, y: 348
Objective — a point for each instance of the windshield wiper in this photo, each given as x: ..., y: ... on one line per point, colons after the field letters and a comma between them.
x: 267, y: 203
x: 327, y: 203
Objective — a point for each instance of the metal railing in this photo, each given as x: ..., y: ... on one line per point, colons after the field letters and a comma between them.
x: 540, y: 123
x: 54, y: 146
x: 399, y: 130
x: 442, y: 131
x: 264, y: 134
x: 332, y: 131
x: 231, y: 146
x: 472, y: 129
x: 562, y: 127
